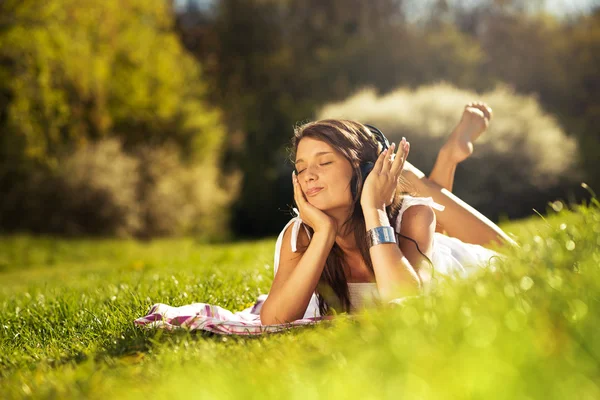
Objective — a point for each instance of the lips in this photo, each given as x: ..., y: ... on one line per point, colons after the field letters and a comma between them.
x: 313, y: 191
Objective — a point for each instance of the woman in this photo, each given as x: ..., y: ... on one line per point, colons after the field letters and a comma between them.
x: 361, y: 235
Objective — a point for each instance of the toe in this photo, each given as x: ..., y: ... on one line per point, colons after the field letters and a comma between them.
x: 486, y: 110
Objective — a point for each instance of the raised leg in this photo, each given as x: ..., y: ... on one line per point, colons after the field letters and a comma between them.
x: 475, y: 120
x: 459, y: 219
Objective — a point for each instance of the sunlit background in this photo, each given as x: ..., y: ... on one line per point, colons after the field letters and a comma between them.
x: 123, y: 120
x: 145, y: 119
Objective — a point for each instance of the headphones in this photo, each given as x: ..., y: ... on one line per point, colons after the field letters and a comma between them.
x: 367, y: 166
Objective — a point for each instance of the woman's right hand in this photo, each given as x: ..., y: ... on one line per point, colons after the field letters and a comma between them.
x: 311, y: 215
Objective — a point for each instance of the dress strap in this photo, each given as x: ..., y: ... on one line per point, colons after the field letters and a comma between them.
x: 408, y: 201
x: 296, y: 230
x: 296, y: 223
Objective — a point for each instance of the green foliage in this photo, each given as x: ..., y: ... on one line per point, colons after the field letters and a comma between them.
x: 76, y: 72
x: 524, y: 329
x: 79, y: 79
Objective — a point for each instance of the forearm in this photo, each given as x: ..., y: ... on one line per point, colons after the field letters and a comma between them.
x: 290, y: 302
x: 394, y: 275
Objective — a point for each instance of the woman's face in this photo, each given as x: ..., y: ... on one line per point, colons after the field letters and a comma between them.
x: 324, y: 174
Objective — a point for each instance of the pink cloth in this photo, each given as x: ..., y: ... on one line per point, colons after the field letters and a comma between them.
x: 207, y: 317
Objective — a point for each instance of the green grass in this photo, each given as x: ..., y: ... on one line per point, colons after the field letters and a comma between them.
x: 526, y: 330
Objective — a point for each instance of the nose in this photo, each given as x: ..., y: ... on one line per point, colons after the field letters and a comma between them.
x: 310, y: 174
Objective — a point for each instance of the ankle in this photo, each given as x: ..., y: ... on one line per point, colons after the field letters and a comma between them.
x: 446, y: 156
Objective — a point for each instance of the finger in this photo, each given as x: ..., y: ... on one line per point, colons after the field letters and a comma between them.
x: 379, y: 163
x: 487, y: 111
x: 388, y: 159
x: 298, y: 195
x: 490, y: 113
x: 399, y: 160
x: 405, y: 151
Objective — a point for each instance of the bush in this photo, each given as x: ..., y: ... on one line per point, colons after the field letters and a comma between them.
x: 91, y: 192
x: 102, y: 190
x: 523, y: 158
x: 99, y: 186
x: 177, y: 198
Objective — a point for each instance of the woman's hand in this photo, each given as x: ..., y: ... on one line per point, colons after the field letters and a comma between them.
x: 381, y: 183
x: 311, y: 215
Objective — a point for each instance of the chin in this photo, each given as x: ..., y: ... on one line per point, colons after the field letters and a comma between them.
x: 329, y: 206
x: 318, y: 204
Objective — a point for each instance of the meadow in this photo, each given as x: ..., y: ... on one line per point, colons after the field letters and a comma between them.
x: 523, y: 329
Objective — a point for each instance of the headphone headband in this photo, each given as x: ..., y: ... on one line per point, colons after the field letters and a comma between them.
x: 379, y: 136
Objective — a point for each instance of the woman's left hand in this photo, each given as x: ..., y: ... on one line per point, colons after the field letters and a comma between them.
x: 380, y: 186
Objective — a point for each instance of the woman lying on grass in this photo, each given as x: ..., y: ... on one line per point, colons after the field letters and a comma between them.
x: 362, y: 236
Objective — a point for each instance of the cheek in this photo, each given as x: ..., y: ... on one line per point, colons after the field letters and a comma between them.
x: 342, y: 184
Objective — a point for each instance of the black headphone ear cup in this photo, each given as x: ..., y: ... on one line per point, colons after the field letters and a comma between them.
x: 379, y: 136
x: 365, y: 168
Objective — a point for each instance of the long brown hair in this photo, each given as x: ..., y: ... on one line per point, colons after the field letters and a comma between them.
x: 358, y: 145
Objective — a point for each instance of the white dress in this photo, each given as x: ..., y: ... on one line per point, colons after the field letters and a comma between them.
x: 450, y: 257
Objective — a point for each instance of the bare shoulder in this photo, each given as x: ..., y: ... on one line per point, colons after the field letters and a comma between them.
x: 418, y: 222
x: 287, y: 254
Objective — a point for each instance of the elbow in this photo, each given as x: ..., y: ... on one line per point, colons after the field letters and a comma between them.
x: 411, y: 288
x: 416, y: 288
x: 270, y: 317
x: 413, y: 284
x: 510, y: 242
x: 266, y: 320
x: 266, y: 316
x: 502, y: 240
x: 410, y: 285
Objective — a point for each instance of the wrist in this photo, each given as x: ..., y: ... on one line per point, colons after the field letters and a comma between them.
x: 328, y: 235
x: 445, y: 157
x: 375, y: 217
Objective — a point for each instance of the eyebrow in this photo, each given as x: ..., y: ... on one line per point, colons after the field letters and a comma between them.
x: 316, y: 155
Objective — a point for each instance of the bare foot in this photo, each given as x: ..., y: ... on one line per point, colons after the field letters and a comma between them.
x: 475, y: 120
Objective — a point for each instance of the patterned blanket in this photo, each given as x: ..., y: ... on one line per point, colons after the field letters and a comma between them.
x: 207, y: 317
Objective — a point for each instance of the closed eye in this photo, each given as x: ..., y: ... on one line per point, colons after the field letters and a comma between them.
x: 326, y: 163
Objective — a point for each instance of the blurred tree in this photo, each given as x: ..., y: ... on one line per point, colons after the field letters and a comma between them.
x: 558, y: 61
x: 580, y: 109
x: 81, y: 79
x: 73, y: 72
